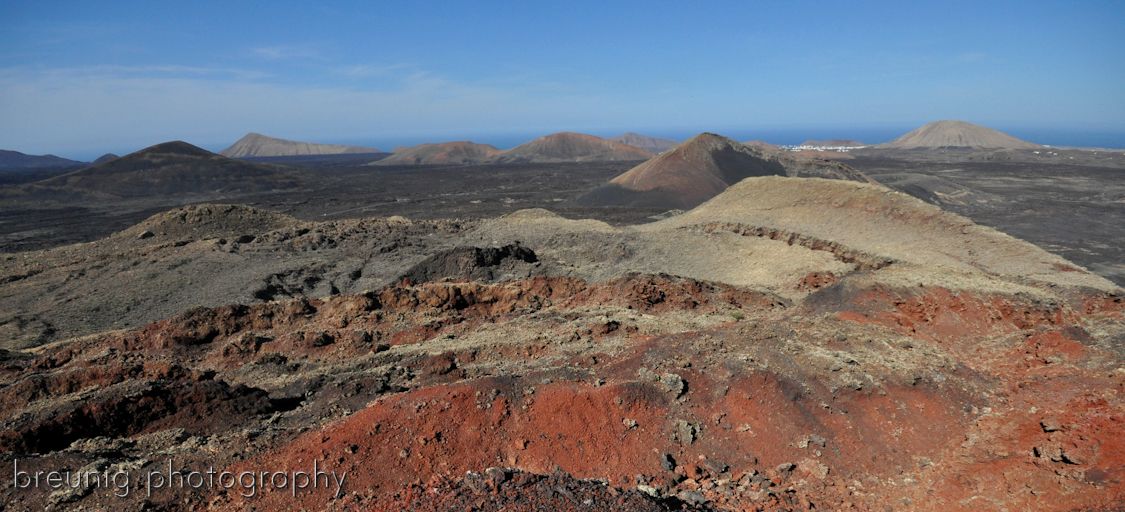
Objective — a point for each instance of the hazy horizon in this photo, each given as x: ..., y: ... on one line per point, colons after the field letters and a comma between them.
x: 1109, y: 138
x: 78, y: 80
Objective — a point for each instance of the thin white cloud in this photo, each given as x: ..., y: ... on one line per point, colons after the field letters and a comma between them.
x: 287, y: 53
x: 365, y: 71
x: 62, y: 75
x: 92, y: 109
x: 82, y: 109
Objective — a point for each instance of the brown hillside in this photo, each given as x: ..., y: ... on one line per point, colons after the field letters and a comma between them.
x: 257, y: 145
x: 701, y: 168
x: 572, y: 147
x: 171, y: 168
x: 956, y: 134
x: 876, y: 220
x: 460, y: 152
x: 104, y: 158
x: 652, y: 144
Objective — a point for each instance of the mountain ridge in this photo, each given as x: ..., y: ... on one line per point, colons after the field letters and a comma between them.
x: 167, y: 169
x: 16, y: 160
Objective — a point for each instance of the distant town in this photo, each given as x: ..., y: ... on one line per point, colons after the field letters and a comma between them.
x: 805, y: 147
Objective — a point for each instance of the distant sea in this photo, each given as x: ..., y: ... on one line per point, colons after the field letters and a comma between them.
x: 1113, y: 138
x: 1105, y: 138
x: 1109, y: 139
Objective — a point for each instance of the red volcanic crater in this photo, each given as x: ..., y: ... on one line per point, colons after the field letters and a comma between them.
x: 702, y: 167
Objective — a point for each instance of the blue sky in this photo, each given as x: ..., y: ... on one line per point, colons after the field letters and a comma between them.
x: 79, y: 79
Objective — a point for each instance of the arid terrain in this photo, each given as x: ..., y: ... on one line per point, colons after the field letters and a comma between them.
x: 933, y: 329
x: 1068, y: 201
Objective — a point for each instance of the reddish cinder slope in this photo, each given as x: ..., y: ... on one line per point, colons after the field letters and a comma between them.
x: 759, y: 430
x: 861, y: 397
x: 702, y: 167
x: 699, y: 169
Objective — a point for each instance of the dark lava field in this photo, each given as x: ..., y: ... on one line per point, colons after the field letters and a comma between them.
x: 1069, y: 207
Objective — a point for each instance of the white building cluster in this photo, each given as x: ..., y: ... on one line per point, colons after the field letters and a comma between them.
x: 840, y: 149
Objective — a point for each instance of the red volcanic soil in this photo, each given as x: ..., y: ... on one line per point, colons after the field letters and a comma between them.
x: 644, y: 392
x: 504, y: 489
x: 1013, y: 423
x: 1016, y: 423
x: 740, y: 427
